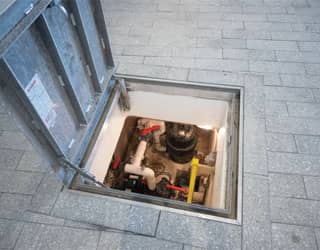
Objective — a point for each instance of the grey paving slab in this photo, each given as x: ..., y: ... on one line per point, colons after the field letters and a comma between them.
x: 272, y: 79
x: 293, y: 237
x: 293, y: 56
x: 9, y: 159
x: 277, y: 67
x: 313, y: 69
x: 9, y: 233
x: 47, y: 193
x: 293, y: 163
x: 242, y: 54
x: 109, y: 240
x: 280, y: 142
x: 312, y: 184
x: 221, y: 43
x: 198, y: 232
x: 308, y: 144
x: 7, y: 123
x: 221, y: 65
x: 19, y: 182
x: 245, y: 34
x: 254, y: 105
x: 178, y: 74
x: 269, y: 26
x: 143, y: 70
x: 256, y: 232
x: 272, y: 45
x: 39, y: 236
x: 31, y: 161
x: 309, y: 46
x: 29, y: 216
x: 292, y: 125
x: 14, y: 140
x: 316, y: 93
x: 287, y: 186
x: 81, y: 225
x: 188, y: 247
x: 219, y: 77
x: 255, y: 155
x: 295, y: 211
x: 311, y: 110
x: 104, y: 211
x: 288, y: 94
x: 317, y: 232
x: 295, y: 36
x: 311, y: 81
x: 12, y: 206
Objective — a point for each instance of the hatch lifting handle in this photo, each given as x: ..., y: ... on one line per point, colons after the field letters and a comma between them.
x: 61, y: 7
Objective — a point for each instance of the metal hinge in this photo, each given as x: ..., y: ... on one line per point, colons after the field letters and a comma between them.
x: 68, y: 164
x: 124, y: 100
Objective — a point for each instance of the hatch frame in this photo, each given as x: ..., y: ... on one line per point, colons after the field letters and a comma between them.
x: 168, y: 204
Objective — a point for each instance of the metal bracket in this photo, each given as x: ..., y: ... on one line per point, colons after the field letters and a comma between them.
x: 124, y: 100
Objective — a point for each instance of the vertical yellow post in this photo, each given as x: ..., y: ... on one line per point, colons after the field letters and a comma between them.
x: 193, y: 175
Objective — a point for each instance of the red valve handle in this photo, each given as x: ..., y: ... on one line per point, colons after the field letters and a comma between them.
x: 149, y: 130
x: 181, y: 189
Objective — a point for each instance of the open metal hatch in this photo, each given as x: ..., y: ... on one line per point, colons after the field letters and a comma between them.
x: 57, y: 78
x: 57, y: 72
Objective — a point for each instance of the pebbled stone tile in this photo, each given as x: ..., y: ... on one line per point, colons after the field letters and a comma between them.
x: 104, y: 211
x: 188, y: 247
x: 255, y: 158
x: 293, y: 163
x: 221, y: 65
x: 7, y: 123
x: 272, y: 45
x: 14, y: 140
x: 19, y: 182
x: 310, y: 110
x: 313, y: 69
x: 47, y: 193
x: 256, y: 216
x: 317, y: 232
x: 288, y: 94
x: 312, y: 184
x: 280, y: 142
x: 9, y: 159
x: 292, y: 237
x: 253, y: 55
x: 39, y: 236
x: 286, y: 185
x: 109, y: 240
x: 276, y: 67
x: 29, y: 216
x: 254, y: 96
x: 293, y: 56
x: 308, y: 144
x: 12, y: 206
x: 271, y: 79
x: 31, y: 161
x: 143, y: 70
x: 295, y: 211
x: 292, y: 125
x: 9, y: 233
x: 303, y: 81
x: 198, y: 232
x: 215, y: 77
x: 276, y: 108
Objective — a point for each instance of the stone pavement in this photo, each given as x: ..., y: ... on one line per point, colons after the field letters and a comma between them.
x: 272, y: 49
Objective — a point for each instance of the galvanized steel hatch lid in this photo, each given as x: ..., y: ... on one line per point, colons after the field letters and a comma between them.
x: 56, y: 72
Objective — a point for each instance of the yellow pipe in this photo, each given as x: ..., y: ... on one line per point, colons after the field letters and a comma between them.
x: 193, y: 175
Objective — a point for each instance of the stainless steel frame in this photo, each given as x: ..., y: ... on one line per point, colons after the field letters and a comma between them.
x: 133, y: 83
